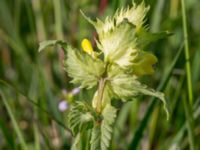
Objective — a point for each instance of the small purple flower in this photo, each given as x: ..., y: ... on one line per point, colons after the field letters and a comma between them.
x: 63, y: 105
x: 75, y: 91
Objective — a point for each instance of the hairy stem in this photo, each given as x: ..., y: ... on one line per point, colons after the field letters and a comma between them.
x: 100, y: 94
x: 101, y: 87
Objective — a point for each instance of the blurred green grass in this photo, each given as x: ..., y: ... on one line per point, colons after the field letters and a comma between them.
x: 33, y: 78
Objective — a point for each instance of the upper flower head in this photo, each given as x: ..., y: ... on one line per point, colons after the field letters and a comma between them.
x: 119, y: 39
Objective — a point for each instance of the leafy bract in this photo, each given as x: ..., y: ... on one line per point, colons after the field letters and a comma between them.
x: 84, y: 70
x: 126, y: 86
x: 80, y: 118
x: 102, y: 131
x: 135, y: 15
x: 119, y: 44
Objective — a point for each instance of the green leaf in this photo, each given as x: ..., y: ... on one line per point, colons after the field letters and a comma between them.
x: 80, y: 117
x: 127, y: 86
x: 45, y: 44
x: 143, y: 89
x: 102, y: 131
x: 144, y: 38
x: 84, y: 69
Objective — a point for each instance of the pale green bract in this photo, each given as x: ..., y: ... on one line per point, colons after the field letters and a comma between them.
x: 84, y: 70
x: 135, y: 15
x: 119, y: 45
x: 77, y: 64
x: 127, y: 86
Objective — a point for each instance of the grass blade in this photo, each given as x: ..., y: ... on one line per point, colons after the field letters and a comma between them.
x: 35, y: 104
x: 14, y: 122
x: 58, y: 19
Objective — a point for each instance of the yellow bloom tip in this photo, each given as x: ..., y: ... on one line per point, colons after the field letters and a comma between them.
x: 87, y: 46
x: 145, y: 66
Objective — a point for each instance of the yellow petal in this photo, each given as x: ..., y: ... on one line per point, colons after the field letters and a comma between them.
x: 87, y: 46
x: 144, y: 64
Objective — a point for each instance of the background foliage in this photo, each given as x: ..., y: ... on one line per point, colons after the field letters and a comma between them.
x: 31, y: 84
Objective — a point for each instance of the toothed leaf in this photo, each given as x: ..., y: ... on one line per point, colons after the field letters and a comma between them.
x: 80, y: 118
x: 126, y: 87
x: 84, y: 69
x: 144, y: 38
x: 102, y: 131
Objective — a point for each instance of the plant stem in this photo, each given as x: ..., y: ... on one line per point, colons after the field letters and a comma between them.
x: 189, y: 118
x: 100, y: 94
x: 157, y: 15
x: 187, y: 54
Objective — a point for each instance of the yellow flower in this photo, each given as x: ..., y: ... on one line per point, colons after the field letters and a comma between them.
x: 144, y: 64
x: 87, y: 47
